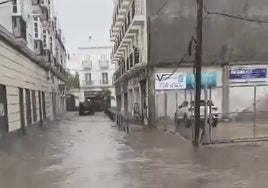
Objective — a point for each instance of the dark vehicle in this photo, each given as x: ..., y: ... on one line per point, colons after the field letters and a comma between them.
x: 86, y: 108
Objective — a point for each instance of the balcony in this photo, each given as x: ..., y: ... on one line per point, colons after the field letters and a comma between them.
x: 130, y: 27
x: 126, y: 66
x: 104, y: 64
x: 95, y: 83
x: 87, y: 65
x: 19, y: 27
x: 133, y: 14
x: 86, y: 83
x: 120, y: 10
x: 48, y: 56
x: 38, y: 47
x: 44, y: 14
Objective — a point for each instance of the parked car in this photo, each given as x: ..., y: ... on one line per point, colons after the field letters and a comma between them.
x: 86, y: 107
x: 185, y: 113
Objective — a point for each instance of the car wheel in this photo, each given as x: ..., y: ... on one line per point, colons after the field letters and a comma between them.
x: 214, y: 123
x: 187, y: 122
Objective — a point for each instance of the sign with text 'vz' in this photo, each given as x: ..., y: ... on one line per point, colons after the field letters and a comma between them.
x: 168, y: 81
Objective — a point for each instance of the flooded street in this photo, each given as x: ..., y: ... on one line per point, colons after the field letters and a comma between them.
x: 90, y: 152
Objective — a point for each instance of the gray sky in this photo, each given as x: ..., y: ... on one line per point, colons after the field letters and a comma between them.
x: 80, y: 19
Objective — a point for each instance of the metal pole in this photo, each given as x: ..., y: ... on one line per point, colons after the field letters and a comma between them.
x: 198, y: 69
x: 210, y: 114
x: 156, y: 106
x: 205, y: 134
x: 176, y: 108
x: 254, y: 108
x: 165, y: 94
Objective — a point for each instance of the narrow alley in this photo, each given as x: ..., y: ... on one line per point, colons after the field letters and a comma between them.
x: 89, y: 151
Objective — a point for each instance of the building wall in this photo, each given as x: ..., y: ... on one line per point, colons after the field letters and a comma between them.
x: 17, y: 71
x: 5, y: 16
x: 225, y: 39
x: 240, y: 97
x: 96, y: 71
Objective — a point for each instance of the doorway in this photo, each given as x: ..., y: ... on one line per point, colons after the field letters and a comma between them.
x: 54, y: 104
x: 22, y: 115
x: 44, y: 105
x: 3, y: 111
x: 28, y: 107
x: 34, y: 106
x: 143, y: 100
x: 40, y: 108
x: 126, y: 103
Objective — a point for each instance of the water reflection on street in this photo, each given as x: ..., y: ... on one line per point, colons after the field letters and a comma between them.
x: 89, y: 151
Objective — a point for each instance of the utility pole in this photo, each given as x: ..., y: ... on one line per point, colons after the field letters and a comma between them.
x: 198, y: 67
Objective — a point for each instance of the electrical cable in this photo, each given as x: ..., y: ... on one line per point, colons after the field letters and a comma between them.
x: 234, y: 16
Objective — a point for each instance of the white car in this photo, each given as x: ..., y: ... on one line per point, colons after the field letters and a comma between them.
x: 185, y: 113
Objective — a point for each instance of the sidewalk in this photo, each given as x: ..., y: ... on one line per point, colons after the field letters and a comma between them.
x: 224, y: 130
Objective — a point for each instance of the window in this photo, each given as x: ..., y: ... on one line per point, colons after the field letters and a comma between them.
x: 14, y: 6
x: 103, y: 61
x: 45, y: 38
x: 88, y: 79
x: 36, y: 27
x: 105, y: 78
x: 51, y: 44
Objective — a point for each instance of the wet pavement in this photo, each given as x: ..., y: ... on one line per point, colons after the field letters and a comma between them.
x: 89, y: 151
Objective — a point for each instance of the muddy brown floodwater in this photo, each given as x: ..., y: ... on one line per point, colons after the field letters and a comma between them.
x: 83, y: 152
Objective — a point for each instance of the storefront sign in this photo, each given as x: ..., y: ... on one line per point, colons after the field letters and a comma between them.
x: 248, y: 75
x: 167, y: 81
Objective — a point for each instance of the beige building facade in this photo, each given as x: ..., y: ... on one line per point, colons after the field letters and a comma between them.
x: 31, y: 92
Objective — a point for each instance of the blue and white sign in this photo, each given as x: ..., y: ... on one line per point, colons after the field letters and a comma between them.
x: 168, y: 81
x: 244, y: 75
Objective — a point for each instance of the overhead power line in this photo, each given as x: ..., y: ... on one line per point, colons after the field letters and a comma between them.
x: 160, y: 8
x: 182, y: 59
x: 235, y: 16
x: 4, y: 2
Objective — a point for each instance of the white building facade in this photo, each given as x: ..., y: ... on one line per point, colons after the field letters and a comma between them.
x: 95, y: 71
x: 129, y: 34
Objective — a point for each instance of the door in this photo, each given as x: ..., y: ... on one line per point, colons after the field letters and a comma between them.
x: 40, y: 108
x: 54, y: 104
x: 22, y: 115
x: 3, y: 111
x: 44, y: 105
x: 126, y: 103
x: 28, y: 107
x: 143, y: 100
x: 34, y: 106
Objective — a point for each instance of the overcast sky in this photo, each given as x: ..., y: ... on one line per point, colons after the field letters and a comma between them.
x: 80, y: 19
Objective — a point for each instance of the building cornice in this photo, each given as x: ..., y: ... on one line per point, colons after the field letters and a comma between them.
x: 94, y: 47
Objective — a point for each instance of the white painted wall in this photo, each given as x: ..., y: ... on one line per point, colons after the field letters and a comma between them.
x: 5, y: 16
x: 96, y: 71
